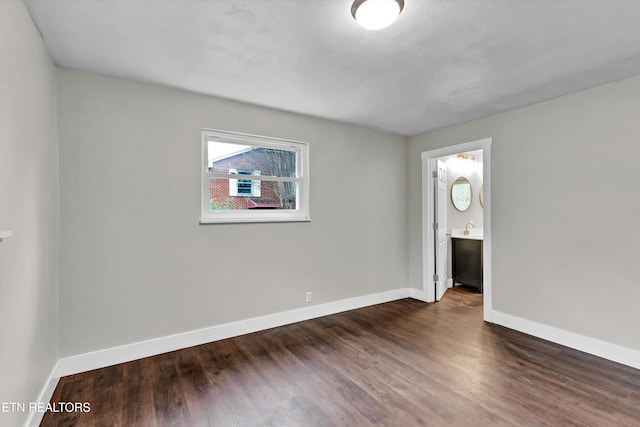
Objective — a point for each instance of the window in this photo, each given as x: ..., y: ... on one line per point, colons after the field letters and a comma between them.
x: 247, y: 178
x: 244, y: 187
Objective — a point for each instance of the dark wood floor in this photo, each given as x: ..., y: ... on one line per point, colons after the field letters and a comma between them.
x: 403, y: 363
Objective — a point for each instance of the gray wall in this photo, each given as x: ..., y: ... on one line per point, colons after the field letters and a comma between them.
x: 135, y: 263
x: 565, y: 203
x: 28, y: 207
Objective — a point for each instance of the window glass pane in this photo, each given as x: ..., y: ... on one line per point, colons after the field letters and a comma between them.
x: 225, y: 158
x: 240, y: 194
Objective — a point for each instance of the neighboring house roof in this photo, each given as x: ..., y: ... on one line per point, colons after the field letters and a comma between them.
x: 230, y: 155
x: 259, y: 159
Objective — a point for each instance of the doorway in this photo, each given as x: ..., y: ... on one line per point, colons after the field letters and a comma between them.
x: 431, y: 239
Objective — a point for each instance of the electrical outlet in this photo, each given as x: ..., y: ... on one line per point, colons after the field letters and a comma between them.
x: 308, y: 298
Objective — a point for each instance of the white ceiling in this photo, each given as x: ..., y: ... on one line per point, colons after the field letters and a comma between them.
x: 442, y: 62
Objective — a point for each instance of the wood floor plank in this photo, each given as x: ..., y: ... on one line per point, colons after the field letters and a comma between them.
x: 226, y: 401
x: 403, y: 363
x: 339, y: 412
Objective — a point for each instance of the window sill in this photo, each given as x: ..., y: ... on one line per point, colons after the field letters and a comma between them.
x: 207, y: 221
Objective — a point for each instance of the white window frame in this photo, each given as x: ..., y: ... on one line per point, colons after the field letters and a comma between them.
x: 301, y: 213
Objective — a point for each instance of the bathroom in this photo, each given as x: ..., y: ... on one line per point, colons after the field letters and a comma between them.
x: 464, y: 219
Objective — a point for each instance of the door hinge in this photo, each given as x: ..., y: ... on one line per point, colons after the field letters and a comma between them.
x: 434, y: 174
x: 435, y: 225
x: 436, y: 278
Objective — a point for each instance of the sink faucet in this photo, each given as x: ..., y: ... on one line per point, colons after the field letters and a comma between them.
x: 466, y: 228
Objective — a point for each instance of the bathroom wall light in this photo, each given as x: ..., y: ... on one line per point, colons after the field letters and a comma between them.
x: 376, y: 14
x: 465, y: 156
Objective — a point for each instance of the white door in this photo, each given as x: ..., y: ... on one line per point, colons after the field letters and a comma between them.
x: 440, y: 227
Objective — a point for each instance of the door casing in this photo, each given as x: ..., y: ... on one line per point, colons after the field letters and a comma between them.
x: 428, y: 234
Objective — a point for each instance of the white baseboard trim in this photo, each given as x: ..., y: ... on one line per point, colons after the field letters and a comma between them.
x: 35, y: 418
x: 603, y: 349
x: 419, y: 294
x: 111, y: 356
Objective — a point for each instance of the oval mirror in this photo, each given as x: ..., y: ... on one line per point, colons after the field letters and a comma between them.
x: 481, y: 195
x: 461, y: 193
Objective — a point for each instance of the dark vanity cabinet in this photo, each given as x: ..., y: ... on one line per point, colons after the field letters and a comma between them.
x: 466, y: 255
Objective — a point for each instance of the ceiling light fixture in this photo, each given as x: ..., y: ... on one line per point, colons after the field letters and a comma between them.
x: 376, y: 14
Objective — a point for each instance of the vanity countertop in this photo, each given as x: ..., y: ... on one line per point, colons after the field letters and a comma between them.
x: 474, y: 234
